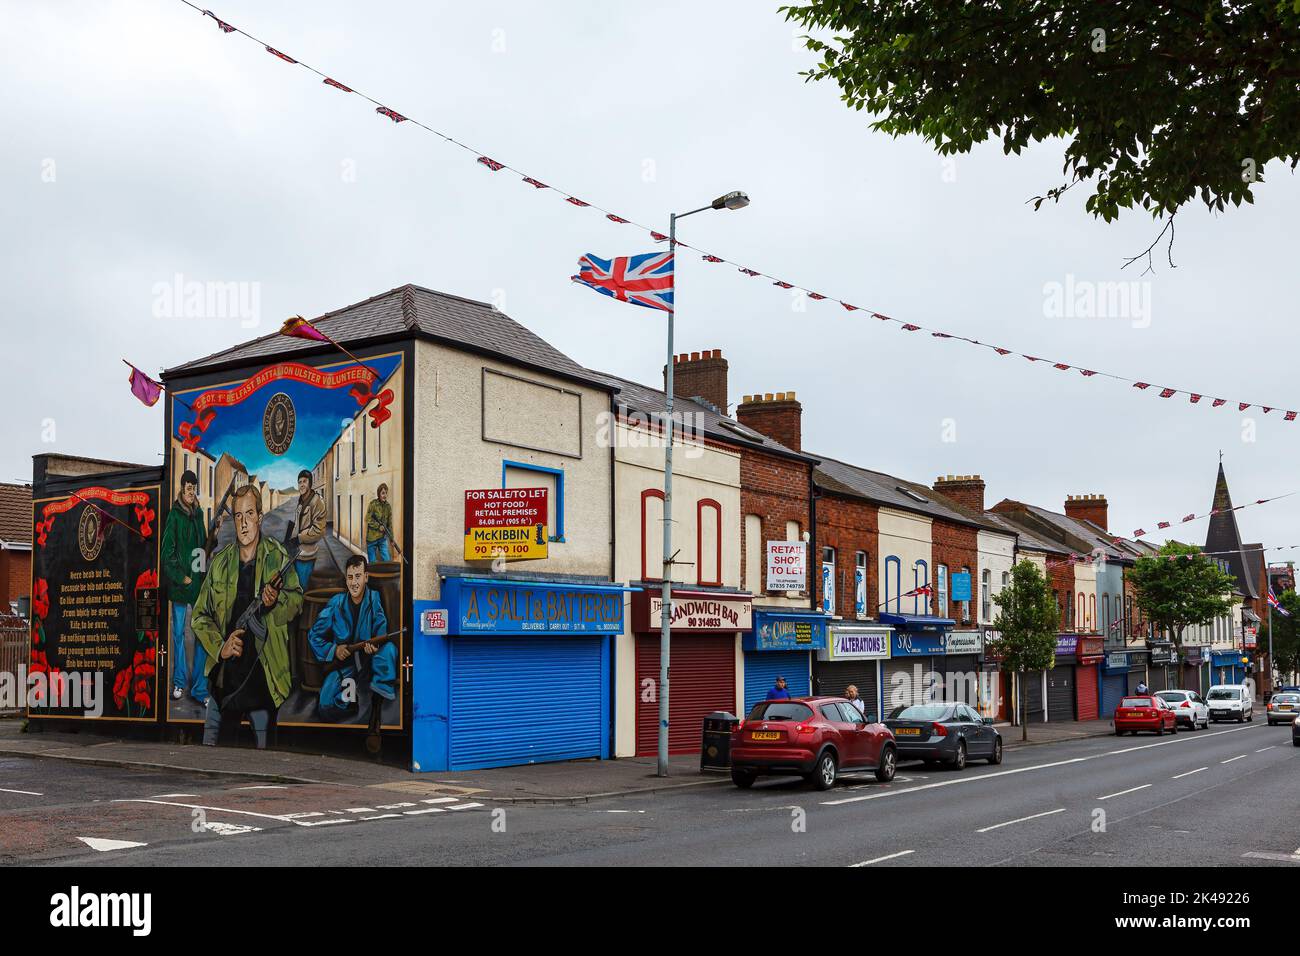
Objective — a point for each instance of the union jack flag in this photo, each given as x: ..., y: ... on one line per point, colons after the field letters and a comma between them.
x: 645, y: 279
x: 783, y: 285
x: 817, y: 296
x: 336, y: 84
x: 1276, y: 605
x: 225, y: 27
x: 909, y: 327
x: 613, y: 218
x: 1086, y: 372
x: 748, y: 272
x: 1162, y: 525
x: 1062, y: 366
x: 393, y: 115
x: 491, y: 164
x: 710, y: 258
x: 1168, y: 392
x: 1187, y: 518
x: 1142, y: 385
x: 535, y: 184
x: 576, y: 201
x: 659, y: 237
x: 1217, y: 402
x: 283, y: 56
x: 851, y: 308
x: 1195, y: 398
x: 1242, y: 406
x: 882, y: 318
x: 1001, y: 351
x: 1289, y: 416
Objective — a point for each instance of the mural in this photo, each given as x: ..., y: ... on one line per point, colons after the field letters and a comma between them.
x: 95, y: 604
x: 281, y: 552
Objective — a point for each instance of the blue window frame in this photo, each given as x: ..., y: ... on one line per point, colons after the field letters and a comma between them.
x: 920, y: 578
x: 894, y: 575
x: 558, y: 474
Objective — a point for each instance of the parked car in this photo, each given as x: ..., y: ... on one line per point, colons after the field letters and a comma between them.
x: 1148, y: 713
x: 1295, y: 732
x: 946, y: 732
x: 1282, y: 708
x: 817, y: 738
x: 1188, y: 707
x: 1230, y: 702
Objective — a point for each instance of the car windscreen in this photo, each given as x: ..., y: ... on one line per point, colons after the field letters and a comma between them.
x: 1173, y: 696
x: 1136, y: 702
x: 1222, y: 693
x: 779, y: 710
x: 921, y: 712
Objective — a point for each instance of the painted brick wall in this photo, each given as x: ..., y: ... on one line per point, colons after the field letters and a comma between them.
x: 775, y: 489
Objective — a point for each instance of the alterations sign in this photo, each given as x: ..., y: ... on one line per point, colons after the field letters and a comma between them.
x: 787, y: 566
x: 511, y: 523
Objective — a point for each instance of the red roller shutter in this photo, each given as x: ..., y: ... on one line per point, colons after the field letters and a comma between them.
x: 1085, y: 682
x: 703, y: 679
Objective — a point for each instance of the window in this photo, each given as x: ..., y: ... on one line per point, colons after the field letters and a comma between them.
x: 860, y: 585
x: 920, y: 579
x: 652, y: 534
x: 985, y: 576
x: 965, y: 605
x: 365, y: 439
x: 828, y: 580
x: 352, y: 444
x: 1081, y: 618
x: 941, y: 579
x: 755, y: 553
x: 338, y: 510
x: 379, y: 444
x: 893, y: 583
x: 708, y: 542
x: 1092, y: 611
x: 518, y: 474
x: 337, y: 464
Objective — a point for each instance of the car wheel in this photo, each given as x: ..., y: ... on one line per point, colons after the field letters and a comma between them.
x: 959, y: 762
x: 744, y: 779
x: 823, y: 777
x: 997, y: 752
x: 1118, y: 732
x: 1250, y: 717
x: 888, y: 765
x: 1160, y: 730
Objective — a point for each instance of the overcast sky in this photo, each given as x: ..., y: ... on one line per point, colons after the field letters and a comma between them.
x: 141, y: 144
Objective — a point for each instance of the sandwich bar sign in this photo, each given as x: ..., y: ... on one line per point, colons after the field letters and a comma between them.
x: 511, y: 523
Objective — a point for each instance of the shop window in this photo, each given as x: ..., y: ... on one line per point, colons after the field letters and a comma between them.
x: 860, y: 609
x: 941, y: 581
x: 965, y: 605
x: 920, y: 578
x: 985, y: 596
x: 708, y: 542
x: 893, y: 583
x: 518, y: 474
x: 828, y: 580
x: 652, y: 534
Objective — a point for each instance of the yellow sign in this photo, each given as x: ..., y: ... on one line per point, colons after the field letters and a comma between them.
x: 509, y: 523
x: 513, y: 544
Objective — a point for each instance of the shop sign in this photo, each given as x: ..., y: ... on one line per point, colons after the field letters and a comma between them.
x: 1252, y: 636
x: 1066, y: 645
x: 917, y: 645
x: 965, y: 642
x: 785, y: 632
x: 434, y: 622
x: 1117, y: 661
x: 857, y: 644
x: 1090, y: 650
x: 694, y: 611
x: 475, y: 607
x: 1162, y: 654
x: 787, y: 566
x: 961, y: 586
x: 509, y: 523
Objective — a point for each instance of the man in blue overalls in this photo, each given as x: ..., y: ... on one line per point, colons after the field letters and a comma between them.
x: 354, y: 616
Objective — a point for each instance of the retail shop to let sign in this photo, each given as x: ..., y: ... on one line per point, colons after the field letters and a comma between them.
x: 510, y: 523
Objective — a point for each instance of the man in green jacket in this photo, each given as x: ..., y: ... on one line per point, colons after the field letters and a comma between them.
x: 379, y: 525
x: 183, y: 538
x: 248, y: 676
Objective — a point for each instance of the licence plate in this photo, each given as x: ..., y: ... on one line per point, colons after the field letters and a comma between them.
x: 907, y: 732
x: 765, y: 735
x: 1283, y: 706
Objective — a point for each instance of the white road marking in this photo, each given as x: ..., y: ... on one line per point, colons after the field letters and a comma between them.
x: 359, y: 810
x: 998, y: 826
x: 393, y: 806
x: 159, y: 796
x: 103, y: 845
x: 465, y: 806
x: 441, y: 800
x: 1262, y: 749
x: 324, y: 823
x: 622, y: 811
x: 1292, y: 858
x: 1123, y: 792
x: 262, y: 786
x: 229, y: 829
x: 1231, y: 759
x: 199, y: 806
x: 28, y: 793
x: 384, y: 816
x: 416, y: 813
x: 1188, y: 774
x: 881, y: 859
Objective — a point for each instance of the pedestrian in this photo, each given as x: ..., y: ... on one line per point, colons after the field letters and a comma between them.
x: 779, y: 692
x: 1142, y: 687
x: 851, y: 695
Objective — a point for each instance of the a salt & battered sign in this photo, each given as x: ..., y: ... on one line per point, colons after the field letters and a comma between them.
x: 510, y: 523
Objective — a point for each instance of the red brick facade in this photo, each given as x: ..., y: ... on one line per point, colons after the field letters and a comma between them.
x: 778, y: 416
x: 1060, y: 577
x: 956, y: 546
x: 701, y: 375
x: 1087, y: 508
x: 848, y: 525
x: 15, y: 577
x: 776, y: 489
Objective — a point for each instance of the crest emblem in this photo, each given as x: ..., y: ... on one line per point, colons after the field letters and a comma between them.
x: 278, y: 423
x: 90, y: 537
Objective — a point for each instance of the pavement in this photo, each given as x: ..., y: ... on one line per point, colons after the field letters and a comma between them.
x: 1207, y: 802
x: 1051, y: 733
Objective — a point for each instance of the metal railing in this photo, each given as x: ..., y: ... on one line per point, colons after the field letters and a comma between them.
x: 15, y: 646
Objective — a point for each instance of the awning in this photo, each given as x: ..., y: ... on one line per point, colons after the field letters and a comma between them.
x: 490, y: 606
x: 918, y: 623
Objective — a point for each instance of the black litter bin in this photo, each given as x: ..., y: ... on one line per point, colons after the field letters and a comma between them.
x: 715, y: 750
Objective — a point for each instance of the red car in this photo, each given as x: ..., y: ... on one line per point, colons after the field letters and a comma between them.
x: 817, y: 738
x: 1145, y: 713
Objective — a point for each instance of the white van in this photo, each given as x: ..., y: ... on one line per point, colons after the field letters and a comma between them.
x: 1230, y: 702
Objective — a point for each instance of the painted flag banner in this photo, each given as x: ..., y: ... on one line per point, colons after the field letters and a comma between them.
x: 393, y: 115
x: 536, y: 184
x: 1187, y: 518
x: 336, y: 84
x: 576, y: 201
x: 613, y: 218
x: 225, y: 27
x: 491, y: 164
x: 299, y: 328
x: 144, y: 388
x: 283, y: 56
x: 645, y: 279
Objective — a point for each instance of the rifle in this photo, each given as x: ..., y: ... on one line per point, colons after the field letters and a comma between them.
x: 222, y: 507
x: 357, y: 645
x: 388, y: 533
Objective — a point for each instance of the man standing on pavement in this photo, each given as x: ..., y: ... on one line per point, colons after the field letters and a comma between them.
x: 182, y: 541
x: 246, y: 675
x: 351, y: 617
x: 310, y: 527
x: 379, y: 525
x: 779, y: 692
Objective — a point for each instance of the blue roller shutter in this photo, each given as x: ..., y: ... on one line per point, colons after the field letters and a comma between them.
x: 527, y: 700
x: 763, y: 667
x: 1112, y: 691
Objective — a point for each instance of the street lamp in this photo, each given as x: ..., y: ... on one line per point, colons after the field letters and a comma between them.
x: 731, y: 200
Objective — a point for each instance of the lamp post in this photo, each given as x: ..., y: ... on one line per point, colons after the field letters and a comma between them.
x: 732, y: 200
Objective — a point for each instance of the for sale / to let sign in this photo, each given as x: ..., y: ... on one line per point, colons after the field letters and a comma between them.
x: 506, y: 522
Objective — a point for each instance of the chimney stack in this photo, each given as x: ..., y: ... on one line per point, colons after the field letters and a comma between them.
x: 701, y: 375
x: 1087, y: 508
x: 778, y: 416
x: 966, y: 490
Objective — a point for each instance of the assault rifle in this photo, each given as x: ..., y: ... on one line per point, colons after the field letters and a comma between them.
x: 214, y: 526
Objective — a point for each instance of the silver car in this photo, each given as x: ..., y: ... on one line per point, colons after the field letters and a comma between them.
x: 1283, y: 708
x: 1189, y: 709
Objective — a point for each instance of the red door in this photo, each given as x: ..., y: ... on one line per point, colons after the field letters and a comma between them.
x: 702, y: 679
x: 1085, y: 683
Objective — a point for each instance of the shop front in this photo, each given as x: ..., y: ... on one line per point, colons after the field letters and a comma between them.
x: 854, y: 654
x: 1061, y: 681
x: 914, y: 672
x: 1227, y: 667
x: 1089, y: 653
x: 704, y: 659
x: 1164, y: 667
x: 1114, y: 681
x: 998, y: 695
x: 1193, y: 669
x: 963, y: 653
x: 782, y: 644
x: 488, y: 648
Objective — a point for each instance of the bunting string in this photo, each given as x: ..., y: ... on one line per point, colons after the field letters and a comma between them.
x: 571, y: 199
